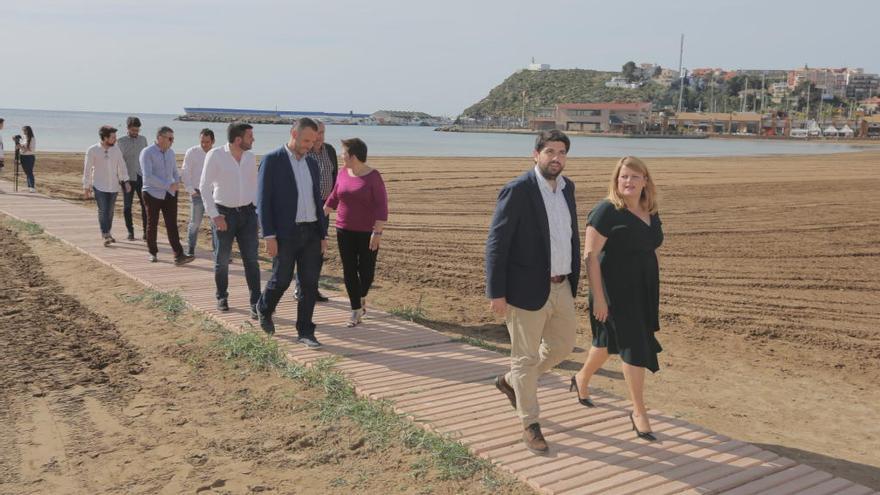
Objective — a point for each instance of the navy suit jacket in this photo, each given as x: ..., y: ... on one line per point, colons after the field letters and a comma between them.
x: 277, y: 195
x: 518, y: 247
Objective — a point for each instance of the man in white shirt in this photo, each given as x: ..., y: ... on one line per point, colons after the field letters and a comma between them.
x: 103, y: 172
x: 229, y: 192
x: 193, y: 163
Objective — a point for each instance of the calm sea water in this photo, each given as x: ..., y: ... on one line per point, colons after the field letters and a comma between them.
x: 76, y: 131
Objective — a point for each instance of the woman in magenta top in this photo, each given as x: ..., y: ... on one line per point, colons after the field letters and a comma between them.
x: 361, y: 205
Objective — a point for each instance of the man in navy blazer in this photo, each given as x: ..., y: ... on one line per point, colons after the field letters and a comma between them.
x: 532, y: 273
x: 292, y: 222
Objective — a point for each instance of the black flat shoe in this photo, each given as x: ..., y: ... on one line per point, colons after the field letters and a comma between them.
x: 644, y: 435
x: 574, y: 387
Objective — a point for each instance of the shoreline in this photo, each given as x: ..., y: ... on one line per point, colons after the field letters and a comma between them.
x: 857, y: 150
x: 854, y: 141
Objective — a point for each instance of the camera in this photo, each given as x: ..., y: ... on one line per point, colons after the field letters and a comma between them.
x: 17, y: 138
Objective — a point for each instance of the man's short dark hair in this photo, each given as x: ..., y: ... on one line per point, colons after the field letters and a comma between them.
x: 236, y: 129
x: 164, y: 130
x: 356, y: 147
x: 547, y: 136
x: 304, y: 122
x: 132, y: 122
x: 106, y: 131
x: 2, y: 120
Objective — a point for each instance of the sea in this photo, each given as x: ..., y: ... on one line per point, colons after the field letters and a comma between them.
x: 76, y: 131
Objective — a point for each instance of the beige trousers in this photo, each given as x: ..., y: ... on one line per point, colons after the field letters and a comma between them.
x: 539, y: 340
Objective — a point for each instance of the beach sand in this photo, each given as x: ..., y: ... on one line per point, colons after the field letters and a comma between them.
x: 769, y: 285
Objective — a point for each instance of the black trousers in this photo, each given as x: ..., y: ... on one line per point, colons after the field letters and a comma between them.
x: 302, y: 250
x: 358, y: 264
x: 167, y: 208
x: 127, y: 202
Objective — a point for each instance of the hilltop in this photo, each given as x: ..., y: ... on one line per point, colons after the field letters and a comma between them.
x: 549, y: 87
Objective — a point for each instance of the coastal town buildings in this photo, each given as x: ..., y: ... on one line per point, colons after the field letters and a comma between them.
x: 594, y: 117
x: 537, y: 67
x: 667, y: 76
x: 861, y: 86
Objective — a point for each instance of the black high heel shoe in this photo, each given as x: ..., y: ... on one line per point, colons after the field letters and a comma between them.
x: 583, y: 402
x: 644, y: 435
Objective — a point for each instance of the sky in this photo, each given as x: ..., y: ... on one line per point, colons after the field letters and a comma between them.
x: 438, y: 57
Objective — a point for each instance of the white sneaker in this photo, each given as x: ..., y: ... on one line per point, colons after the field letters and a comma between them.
x: 31, y: 189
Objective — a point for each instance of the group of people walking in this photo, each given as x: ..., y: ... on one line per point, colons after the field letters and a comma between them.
x: 286, y: 201
x: 533, y: 265
x: 533, y: 251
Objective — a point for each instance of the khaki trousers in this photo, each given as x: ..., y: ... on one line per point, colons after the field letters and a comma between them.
x: 539, y: 340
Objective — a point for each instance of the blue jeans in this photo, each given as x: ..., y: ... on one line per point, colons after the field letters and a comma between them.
x: 106, y: 204
x: 241, y: 226
x: 302, y: 250
x: 27, y: 164
x: 196, y: 213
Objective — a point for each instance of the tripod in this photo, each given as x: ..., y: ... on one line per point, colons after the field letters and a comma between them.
x: 17, y: 163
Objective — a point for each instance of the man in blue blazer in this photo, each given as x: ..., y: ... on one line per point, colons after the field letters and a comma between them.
x: 294, y: 226
x: 532, y: 272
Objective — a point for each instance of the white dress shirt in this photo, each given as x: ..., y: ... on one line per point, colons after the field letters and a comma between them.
x: 193, y: 163
x: 227, y: 182
x: 305, y: 204
x: 559, y: 218
x: 104, y: 169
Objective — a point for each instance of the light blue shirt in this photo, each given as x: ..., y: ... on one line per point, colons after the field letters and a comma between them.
x: 559, y: 218
x: 159, y: 170
x: 305, y: 203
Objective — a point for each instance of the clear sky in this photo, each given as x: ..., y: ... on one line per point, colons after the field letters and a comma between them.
x: 366, y: 55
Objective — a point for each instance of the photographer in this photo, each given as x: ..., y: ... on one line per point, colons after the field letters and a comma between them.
x: 1, y: 145
x: 26, y: 147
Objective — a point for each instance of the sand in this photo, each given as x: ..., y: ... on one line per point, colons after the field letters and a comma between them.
x: 769, y: 286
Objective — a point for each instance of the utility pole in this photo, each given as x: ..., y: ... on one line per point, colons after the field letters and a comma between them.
x: 680, y: 73
x: 822, y: 99
x: 745, y: 93
x: 714, y: 109
x: 763, y: 76
x: 522, y: 121
x: 809, y: 90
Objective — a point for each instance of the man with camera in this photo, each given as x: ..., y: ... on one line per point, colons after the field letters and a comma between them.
x: 1, y: 144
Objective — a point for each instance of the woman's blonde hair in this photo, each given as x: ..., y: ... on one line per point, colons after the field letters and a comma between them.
x: 649, y: 192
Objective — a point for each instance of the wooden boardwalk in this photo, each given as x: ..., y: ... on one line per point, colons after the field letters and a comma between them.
x: 446, y: 386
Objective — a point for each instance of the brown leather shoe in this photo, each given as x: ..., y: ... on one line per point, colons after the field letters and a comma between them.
x: 505, y: 388
x: 534, y: 439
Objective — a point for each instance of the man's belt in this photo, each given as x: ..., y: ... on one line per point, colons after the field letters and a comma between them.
x: 558, y: 279
x: 236, y: 208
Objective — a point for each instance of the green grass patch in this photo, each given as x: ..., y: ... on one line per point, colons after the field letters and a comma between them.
x: 170, y: 303
x: 377, y: 419
x: 259, y: 352
x: 412, y: 313
x: 478, y: 342
x: 26, y: 227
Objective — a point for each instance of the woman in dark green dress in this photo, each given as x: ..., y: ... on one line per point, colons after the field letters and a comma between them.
x: 623, y: 231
